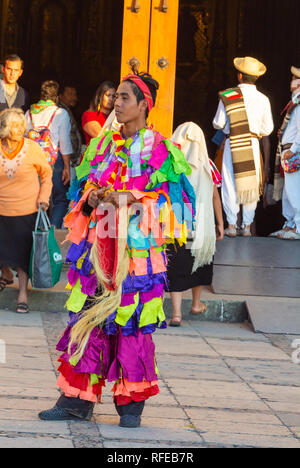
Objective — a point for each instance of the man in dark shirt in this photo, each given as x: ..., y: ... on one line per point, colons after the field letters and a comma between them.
x: 11, y: 94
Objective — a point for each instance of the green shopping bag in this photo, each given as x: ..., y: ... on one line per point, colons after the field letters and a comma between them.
x: 46, y: 261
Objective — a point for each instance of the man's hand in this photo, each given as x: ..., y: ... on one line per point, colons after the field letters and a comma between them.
x: 119, y: 199
x: 288, y: 154
x: 96, y: 196
x: 220, y: 232
x: 66, y: 175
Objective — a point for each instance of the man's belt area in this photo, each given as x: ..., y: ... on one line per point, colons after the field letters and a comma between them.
x: 254, y: 135
x: 286, y: 147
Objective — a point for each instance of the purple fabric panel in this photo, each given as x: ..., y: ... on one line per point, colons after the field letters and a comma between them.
x: 127, y: 299
x: 135, y: 354
x: 76, y: 251
x: 157, y: 291
x: 89, y: 284
x: 90, y: 363
x: 143, y: 283
x: 73, y: 276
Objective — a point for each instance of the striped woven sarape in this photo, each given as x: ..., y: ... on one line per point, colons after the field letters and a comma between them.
x: 247, y: 185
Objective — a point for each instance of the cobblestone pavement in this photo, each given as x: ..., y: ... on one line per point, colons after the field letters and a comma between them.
x: 221, y: 386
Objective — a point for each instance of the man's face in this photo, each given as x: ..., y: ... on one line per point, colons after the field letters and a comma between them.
x: 69, y: 97
x: 12, y: 71
x: 295, y: 84
x: 126, y: 106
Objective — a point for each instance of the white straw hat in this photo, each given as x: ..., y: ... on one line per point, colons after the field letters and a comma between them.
x: 295, y: 71
x: 249, y: 66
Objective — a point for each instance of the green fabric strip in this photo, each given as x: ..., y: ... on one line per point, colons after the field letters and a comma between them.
x: 124, y: 313
x: 77, y: 299
x: 152, y: 311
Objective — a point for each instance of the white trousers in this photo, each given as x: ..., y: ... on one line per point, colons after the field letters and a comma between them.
x: 291, y: 201
x: 229, y: 195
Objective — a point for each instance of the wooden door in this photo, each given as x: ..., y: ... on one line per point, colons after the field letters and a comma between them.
x: 150, y: 43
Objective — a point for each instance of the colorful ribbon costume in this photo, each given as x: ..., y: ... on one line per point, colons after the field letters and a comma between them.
x: 131, y: 259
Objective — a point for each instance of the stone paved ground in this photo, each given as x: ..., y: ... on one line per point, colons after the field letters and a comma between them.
x: 221, y: 386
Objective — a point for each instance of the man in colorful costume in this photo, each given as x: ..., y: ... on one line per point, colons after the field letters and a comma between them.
x: 244, y: 115
x: 120, y: 258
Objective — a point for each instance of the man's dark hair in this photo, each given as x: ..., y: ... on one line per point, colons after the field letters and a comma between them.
x: 96, y: 102
x: 249, y: 79
x: 152, y: 84
x: 49, y: 90
x: 63, y: 86
x: 13, y: 58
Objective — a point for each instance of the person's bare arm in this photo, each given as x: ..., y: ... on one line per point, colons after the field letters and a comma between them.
x: 92, y: 128
x: 218, y: 215
x: 66, y: 171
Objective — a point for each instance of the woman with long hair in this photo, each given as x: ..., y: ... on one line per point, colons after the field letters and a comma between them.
x: 101, y: 106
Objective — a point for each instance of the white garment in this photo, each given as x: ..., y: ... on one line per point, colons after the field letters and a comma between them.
x: 261, y: 123
x: 2, y: 93
x: 193, y: 145
x: 292, y: 131
x: 291, y: 191
x: 60, y: 128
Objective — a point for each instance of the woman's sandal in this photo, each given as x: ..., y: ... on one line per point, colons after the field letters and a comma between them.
x: 175, y: 322
x: 22, y: 308
x: 4, y: 282
x: 200, y: 311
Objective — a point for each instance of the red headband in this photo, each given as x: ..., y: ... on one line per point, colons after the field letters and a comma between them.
x: 143, y: 87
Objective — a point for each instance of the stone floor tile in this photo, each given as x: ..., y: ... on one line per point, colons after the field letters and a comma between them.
x: 148, y: 433
x: 41, y: 442
x: 34, y: 427
x: 235, y: 331
x: 193, y: 346
x: 247, y: 349
x: 266, y: 372
x: 238, y: 428
x: 227, y: 416
x: 28, y: 358
x: 290, y: 419
x: 219, y: 403
x: 23, y: 336
x: 30, y: 379
x: 195, y: 368
x: 277, y: 393
x: 158, y: 446
x: 22, y: 404
x: 211, y: 388
x: 152, y: 422
x: 245, y: 440
x: 8, y: 318
x: 31, y: 392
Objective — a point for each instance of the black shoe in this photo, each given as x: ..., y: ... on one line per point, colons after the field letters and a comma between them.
x: 67, y: 409
x: 56, y: 414
x: 130, y: 415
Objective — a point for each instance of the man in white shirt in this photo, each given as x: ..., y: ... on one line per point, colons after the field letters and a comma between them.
x: 290, y: 146
x: 42, y: 114
x: 260, y: 123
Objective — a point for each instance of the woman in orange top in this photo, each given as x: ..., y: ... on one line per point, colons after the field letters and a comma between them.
x: 22, y: 162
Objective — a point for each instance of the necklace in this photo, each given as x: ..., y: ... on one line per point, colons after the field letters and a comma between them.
x: 10, y: 166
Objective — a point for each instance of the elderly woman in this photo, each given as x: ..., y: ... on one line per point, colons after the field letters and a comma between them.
x: 193, y: 268
x: 22, y: 163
